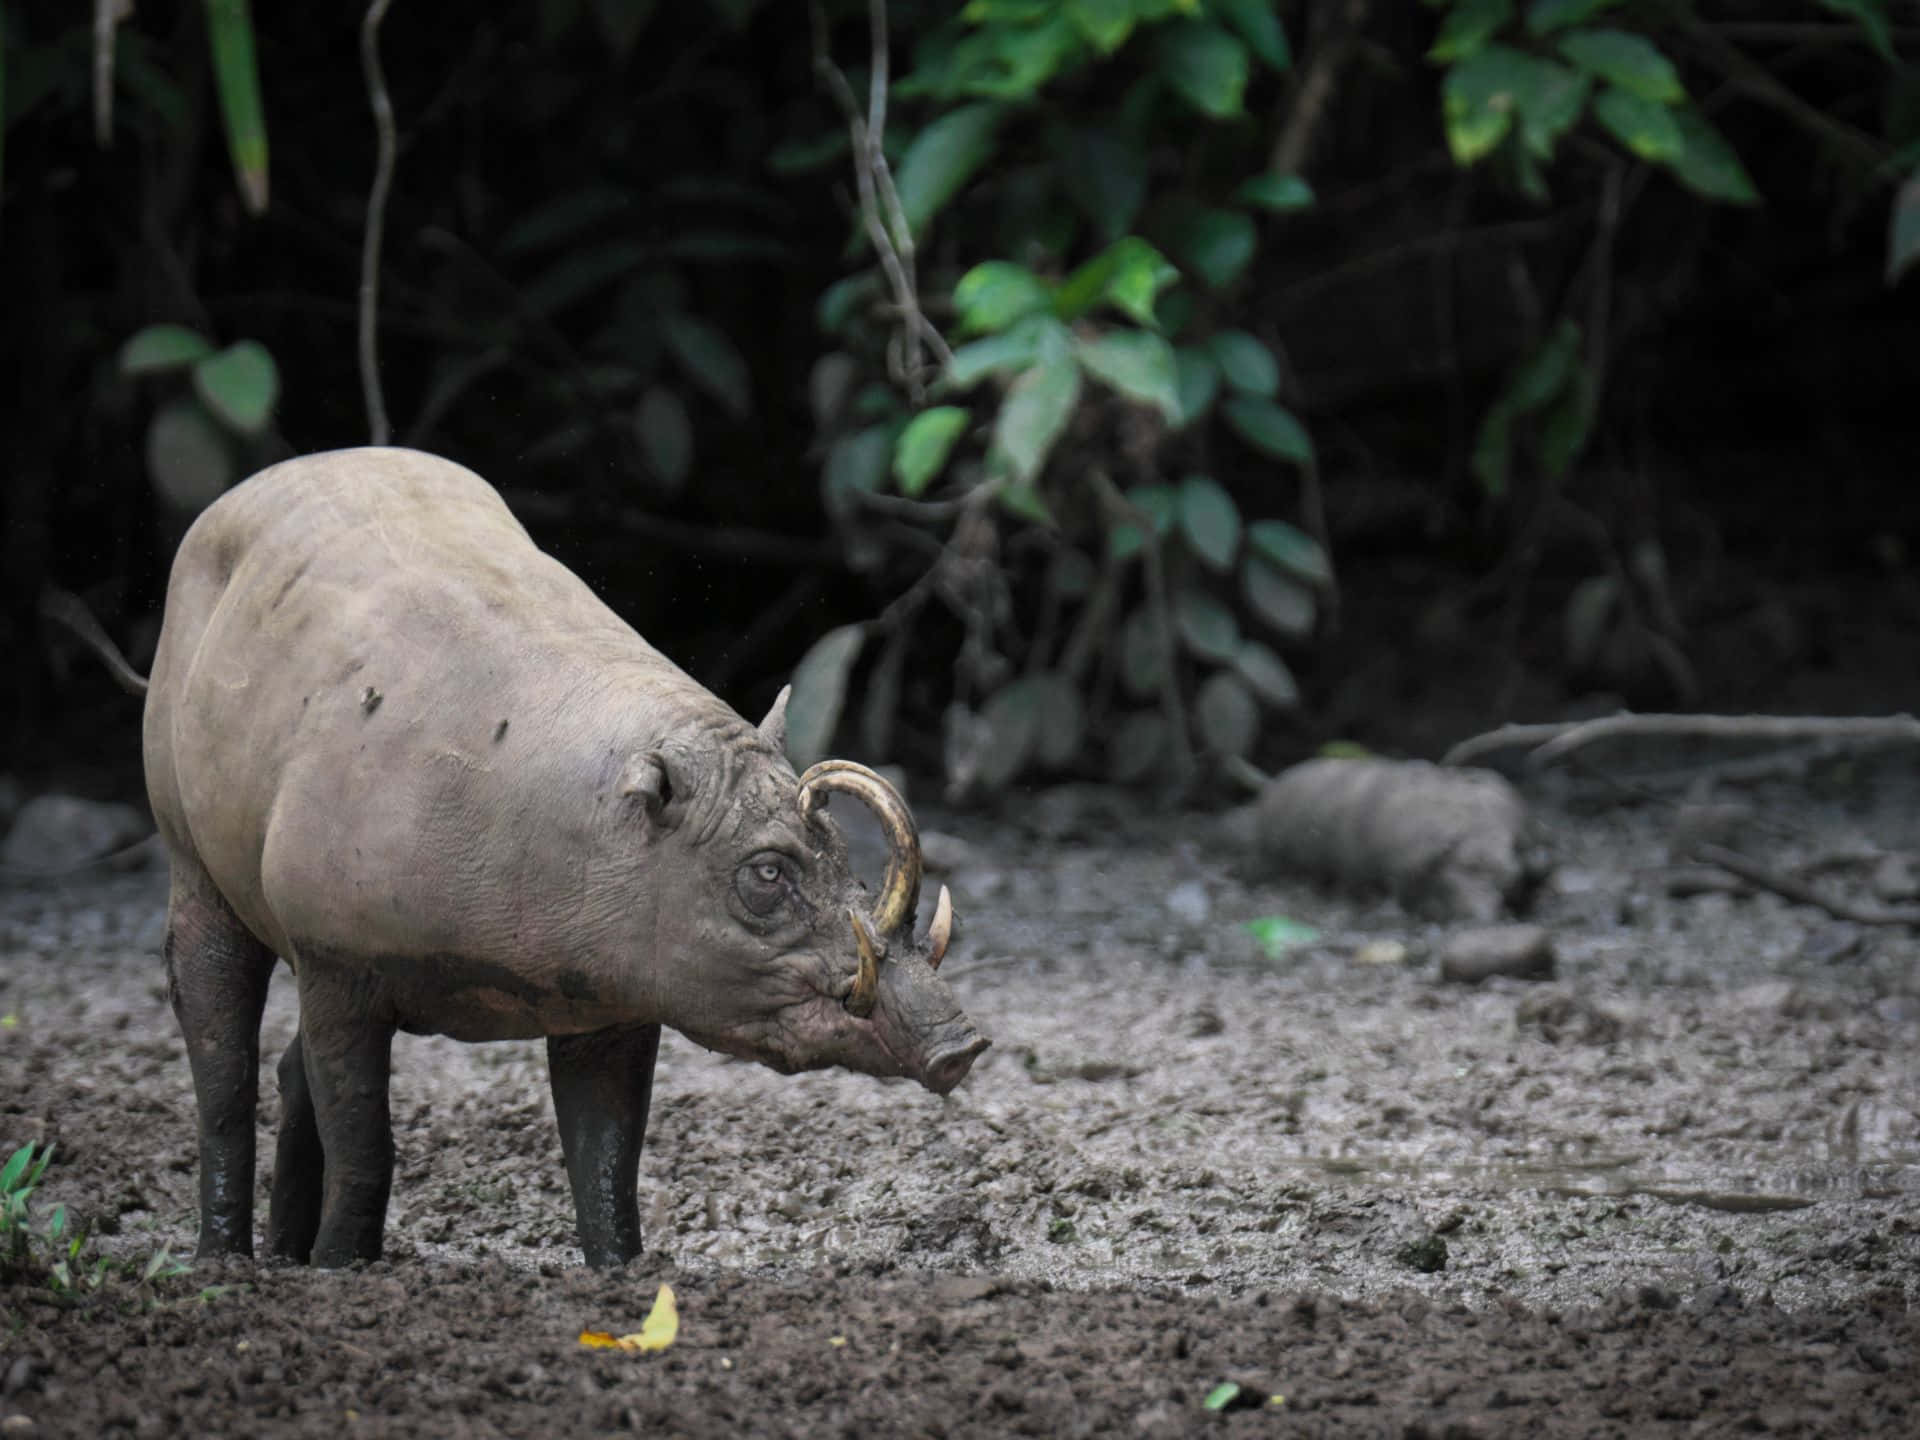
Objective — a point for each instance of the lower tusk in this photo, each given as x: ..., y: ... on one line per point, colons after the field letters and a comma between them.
x: 866, y: 984
x: 941, y: 931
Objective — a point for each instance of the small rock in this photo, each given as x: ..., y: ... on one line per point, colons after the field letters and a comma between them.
x: 1381, y: 952
x: 1769, y: 997
x: 1572, y: 880
x: 55, y: 832
x: 1203, y: 1021
x: 1559, y: 1015
x: 1897, y: 878
x: 1428, y: 1254
x: 19, y: 1376
x: 1725, y: 824
x: 1188, y: 903
x: 1829, y: 944
x: 1520, y: 952
x: 17, y: 1424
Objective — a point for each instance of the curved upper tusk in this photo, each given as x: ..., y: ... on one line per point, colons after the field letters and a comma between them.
x: 866, y: 983
x: 900, y: 889
x: 941, y: 931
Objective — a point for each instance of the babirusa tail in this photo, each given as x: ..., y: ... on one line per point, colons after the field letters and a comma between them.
x: 65, y: 608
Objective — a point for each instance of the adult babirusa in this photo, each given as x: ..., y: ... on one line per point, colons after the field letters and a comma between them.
x: 393, y: 744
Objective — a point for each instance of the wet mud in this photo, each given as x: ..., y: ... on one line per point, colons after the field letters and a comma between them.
x: 1672, y: 1189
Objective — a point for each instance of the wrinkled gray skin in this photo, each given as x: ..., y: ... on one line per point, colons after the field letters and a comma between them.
x: 392, y: 743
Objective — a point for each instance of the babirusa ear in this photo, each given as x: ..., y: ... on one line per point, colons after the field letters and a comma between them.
x: 648, y: 780
x: 773, y: 729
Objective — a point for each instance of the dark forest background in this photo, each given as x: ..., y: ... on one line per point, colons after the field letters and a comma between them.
x: 1351, y: 371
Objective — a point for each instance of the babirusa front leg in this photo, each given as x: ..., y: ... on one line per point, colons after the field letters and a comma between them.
x: 602, y: 1086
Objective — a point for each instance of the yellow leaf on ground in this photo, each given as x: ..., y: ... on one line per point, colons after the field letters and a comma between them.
x: 659, y: 1330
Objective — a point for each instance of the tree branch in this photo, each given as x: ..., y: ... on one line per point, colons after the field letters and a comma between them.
x: 1556, y: 741
x: 382, y: 105
x: 892, y: 236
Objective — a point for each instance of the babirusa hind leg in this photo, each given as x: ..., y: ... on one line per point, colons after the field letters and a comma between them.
x: 217, y: 976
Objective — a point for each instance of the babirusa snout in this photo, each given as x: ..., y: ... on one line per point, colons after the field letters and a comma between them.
x: 900, y: 889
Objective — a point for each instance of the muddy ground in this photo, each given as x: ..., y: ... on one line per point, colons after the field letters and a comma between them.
x: 1674, y: 1189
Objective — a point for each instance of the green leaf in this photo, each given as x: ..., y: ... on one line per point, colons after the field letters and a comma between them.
x: 1259, y: 26
x: 15, y: 1167
x: 1872, y: 15
x: 1142, y: 665
x: 1137, y: 363
x: 1216, y: 245
x: 710, y: 360
x: 1003, y: 61
x: 1545, y: 372
x: 943, y: 158
x: 1226, y: 715
x: 857, y: 464
x: 1205, y: 625
x: 1292, y: 549
x: 995, y: 293
x: 1015, y: 349
x: 1137, y: 747
x: 1034, y: 413
x: 158, y: 349
x: 1210, y: 521
x: 1071, y: 574
x: 1278, y: 193
x: 1248, y: 365
x: 1268, y: 428
x: 666, y: 435
x: 1477, y: 100
x: 1493, y: 451
x: 819, y: 692
x: 1646, y: 127
x: 1626, y: 61
x: 1708, y: 165
x: 839, y: 300
x: 1062, y: 720
x: 1140, y: 273
x: 1025, y: 501
x: 236, y: 76
x: 1205, y: 65
x: 922, y: 450
x: 1104, y: 172
x: 188, y: 458
x: 1157, y: 504
x: 1266, y: 675
x: 803, y: 155
x: 1011, y: 719
x: 1468, y: 27
x: 1281, y: 603
x: 1106, y: 24
x: 565, y: 217
x: 1129, y: 274
x: 240, y: 386
x: 579, y: 272
x: 1567, y: 424
x: 1197, y: 378
x: 1277, y: 935
x: 1549, y: 98
x: 1546, y: 16
x: 1903, y: 228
